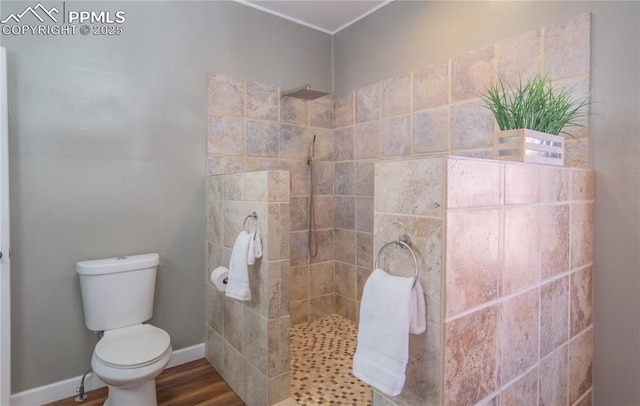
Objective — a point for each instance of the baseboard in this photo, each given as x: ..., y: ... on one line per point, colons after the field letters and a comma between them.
x: 64, y: 389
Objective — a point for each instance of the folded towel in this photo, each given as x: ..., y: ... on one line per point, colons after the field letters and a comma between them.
x: 383, y: 333
x: 255, y: 248
x: 238, y: 283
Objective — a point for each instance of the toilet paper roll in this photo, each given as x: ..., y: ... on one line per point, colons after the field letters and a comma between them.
x: 219, y: 278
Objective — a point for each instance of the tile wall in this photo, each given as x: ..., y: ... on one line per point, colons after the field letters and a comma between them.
x: 250, y: 127
x: 247, y: 342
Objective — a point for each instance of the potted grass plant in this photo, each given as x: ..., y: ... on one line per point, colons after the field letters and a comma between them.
x: 532, y: 118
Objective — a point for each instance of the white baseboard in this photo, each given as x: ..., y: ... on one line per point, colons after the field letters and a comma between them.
x: 64, y: 389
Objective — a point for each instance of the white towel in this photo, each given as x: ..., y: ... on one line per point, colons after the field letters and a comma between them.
x: 383, y: 333
x: 255, y: 248
x: 417, y: 310
x: 238, y: 283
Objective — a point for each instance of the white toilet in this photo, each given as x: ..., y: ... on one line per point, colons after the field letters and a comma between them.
x: 117, y: 295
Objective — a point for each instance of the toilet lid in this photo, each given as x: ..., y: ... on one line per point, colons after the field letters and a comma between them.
x: 132, y: 346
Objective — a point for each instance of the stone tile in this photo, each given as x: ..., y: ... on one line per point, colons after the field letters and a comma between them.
x: 214, y: 349
x: 299, y: 213
x: 368, y: 103
x: 299, y: 312
x: 367, y: 140
x: 472, y: 126
x: 255, y: 383
x: 522, y: 183
x: 254, y: 187
x: 361, y: 278
x: 364, y: 178
x: 259, y: 164
x: 345, y: 241
x: 554, y: 240
x: 299, y: 283
x: 214, y: 222
x: 321, y: 279
x: 294, y: 111
x: 233, y: 323
x: 232, y: 371
x: 555, y: 184
x: 280, y: 389
x: 472, y: 259
x: 554, y: 315
x: 521, y: 248
x: 324, y: 207
x: 344, y: 181
x: 580, y: 365
x: 299, y: 248
x: 326, y: 246
x: 585, y: 401
x: 519, y: 58
x: 582, y: 184
x: 431, y: 130
x: 214, y: 310
x: 396, y: 96
x: 344, y: 212
x: 323, y: 178
x: 411, y: 186
x: 395, y: 137
x: 472, y: 183
x: 580, y: 88
x: 255, y: 336
x: 364, y: 250
x: 294, y: 141
x: 344, y: 111
x: 470, y: 359
x: 524, y: 391
x: 225, y: 136
x: 218, y: 165
x: 346, y: 308
x: 299, y: 172
x: 472, y: 73
x: 431, y: 86
x: 424, y: 369
x: 553, y: 379
x: 576, y: 153
x: 343, y: 146
x: 519, y: 325
x: 581, y: 234
x: 278, y: 347
x: 364, y: 214
x: 324, y: 149
x: 567, y: 47
x: 345, y: 282
x: 321, y: 306
x: 321, y: 112
x: 225, y: 95
x: 581, y: 300
x: 262, y: 101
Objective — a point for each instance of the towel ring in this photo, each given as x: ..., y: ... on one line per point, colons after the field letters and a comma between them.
x: 253, y: 216
x: 404, y: 242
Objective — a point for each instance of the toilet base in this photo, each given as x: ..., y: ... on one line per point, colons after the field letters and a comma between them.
x: 135, y: 395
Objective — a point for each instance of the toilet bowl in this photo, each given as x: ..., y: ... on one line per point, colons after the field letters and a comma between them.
x: 117, y: 298
x: 128, y: 360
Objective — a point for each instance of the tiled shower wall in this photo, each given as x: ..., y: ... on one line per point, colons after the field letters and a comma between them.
x: 505, y: 258
x: 250, y: 127
x: 518, y: 284
x: 247, y: 342
x: 436, y: 110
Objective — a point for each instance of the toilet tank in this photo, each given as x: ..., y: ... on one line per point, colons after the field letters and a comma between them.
x: 117, y: 292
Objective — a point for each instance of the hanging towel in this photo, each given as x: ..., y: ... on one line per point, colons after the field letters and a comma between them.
x: 383, y: 333
x: 238, y: 283
x: 255, y: 248
x: 417, y: 310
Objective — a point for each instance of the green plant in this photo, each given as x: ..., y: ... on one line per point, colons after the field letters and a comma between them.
x: 535, y: 105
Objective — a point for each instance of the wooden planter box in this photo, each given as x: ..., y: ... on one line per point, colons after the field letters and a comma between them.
x: 524, y: 145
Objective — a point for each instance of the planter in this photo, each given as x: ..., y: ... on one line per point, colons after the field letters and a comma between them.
x: 530, y: 146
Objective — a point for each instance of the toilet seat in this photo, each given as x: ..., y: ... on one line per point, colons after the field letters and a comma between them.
x: 132, y: 347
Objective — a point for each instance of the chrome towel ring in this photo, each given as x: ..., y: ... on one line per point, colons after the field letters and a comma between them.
x: 405, y: 242
x: 253, y: 216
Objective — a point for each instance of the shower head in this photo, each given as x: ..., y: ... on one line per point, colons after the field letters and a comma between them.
x: 303, y: 92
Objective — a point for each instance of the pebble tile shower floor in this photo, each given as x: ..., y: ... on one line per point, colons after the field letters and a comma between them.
x: 321, y: 363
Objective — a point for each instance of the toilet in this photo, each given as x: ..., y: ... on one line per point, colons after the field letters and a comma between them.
x: 117, y: 297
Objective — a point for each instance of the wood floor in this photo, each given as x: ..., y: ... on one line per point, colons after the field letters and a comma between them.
x: 193, y: 383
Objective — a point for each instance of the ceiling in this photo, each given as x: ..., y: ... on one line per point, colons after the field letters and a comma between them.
x: 328, y: 16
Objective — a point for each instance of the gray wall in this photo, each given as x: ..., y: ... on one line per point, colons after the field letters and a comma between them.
x: 108, y: 157
x: 405, y: 35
